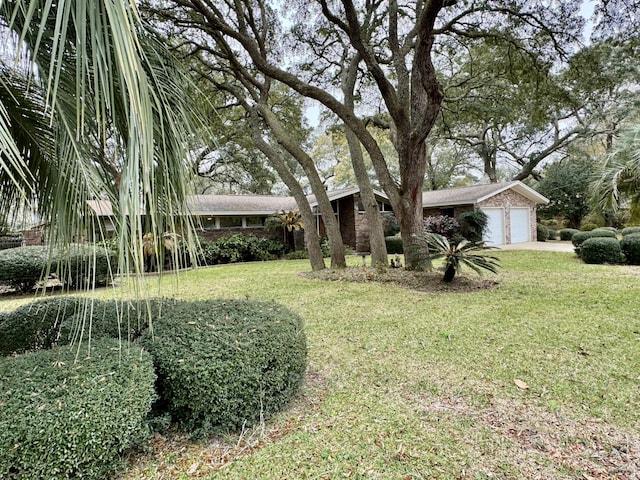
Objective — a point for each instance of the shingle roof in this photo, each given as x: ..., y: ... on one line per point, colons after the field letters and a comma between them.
x: 239, y: 204
x: 476, y: 194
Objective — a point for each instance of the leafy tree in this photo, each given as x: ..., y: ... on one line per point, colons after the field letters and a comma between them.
x: 566, y: 184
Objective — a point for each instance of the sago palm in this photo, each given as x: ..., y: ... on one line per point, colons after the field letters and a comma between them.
x: 92, y: 106
x: 431, y: 246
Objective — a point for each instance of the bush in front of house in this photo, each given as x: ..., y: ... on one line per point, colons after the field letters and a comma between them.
x: 601, y: 250
x: 473, y: 225
x: 630, y: 246
x: 21, y: 268
x: 587, y: 227
x: 629, y: 230
x: 567, y: 233
x: 579, y: 238
x: 240, y: 248
x: 83, y: 266
x: 542, y: 232
x: 35, y: 325
x: 223, y: 364
x: 394, y: 245
x: 552, y: 233
x: 61, y: 320
x: 442, y: 225
x: 62, y: 418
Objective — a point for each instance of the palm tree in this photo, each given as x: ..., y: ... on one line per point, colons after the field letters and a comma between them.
x: 619, y: 179
x: 431, y: 246
x: 288, y: 221
x: 92, y: 106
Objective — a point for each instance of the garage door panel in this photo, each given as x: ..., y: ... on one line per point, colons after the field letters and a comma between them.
x: 494, y: 234
x: 520, y: 225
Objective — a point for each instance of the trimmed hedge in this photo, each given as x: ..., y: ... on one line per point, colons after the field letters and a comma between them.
x: 553, y: 233
x: 23, y: 267
x: 35, y: 325
x: 601, y: 250
x: 568, y: 233
x: 542, y: 232
x: 578, y: 238
x: 224, y: 364
x: 60, y: 419
x: 629, y: 230
x: 394, y: 245
x: 63, y: 320
x: 630, y: 246
x: 240, y: 248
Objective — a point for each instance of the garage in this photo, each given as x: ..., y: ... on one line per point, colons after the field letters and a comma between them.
x: 493, y: 235
x: 520, y: 225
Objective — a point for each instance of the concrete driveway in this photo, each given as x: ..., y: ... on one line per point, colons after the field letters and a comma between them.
x: 552, y: 246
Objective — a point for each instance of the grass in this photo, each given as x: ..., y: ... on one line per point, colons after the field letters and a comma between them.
x: 408, y: 385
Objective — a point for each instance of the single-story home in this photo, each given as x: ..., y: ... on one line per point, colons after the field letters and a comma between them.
x: 510, y: 206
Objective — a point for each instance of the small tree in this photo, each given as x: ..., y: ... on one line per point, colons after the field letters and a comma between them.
x: 431, y: 246
x: 288, y: 221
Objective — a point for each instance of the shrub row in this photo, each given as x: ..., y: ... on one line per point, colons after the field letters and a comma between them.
x: 61, y: 418
x: 240, y: 248
x: 394, y: 245
x: 602, y: 246
x: 220, y: 365
x: 23, y: 267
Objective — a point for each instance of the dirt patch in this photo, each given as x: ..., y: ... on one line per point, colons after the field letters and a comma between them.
x: 589, y: 448
x: 420, y: 281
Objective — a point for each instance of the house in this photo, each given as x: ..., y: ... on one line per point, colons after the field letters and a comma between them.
x: 511, y: 208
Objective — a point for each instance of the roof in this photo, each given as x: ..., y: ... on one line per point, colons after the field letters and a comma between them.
x: 239, y: 204
x: 476, y: 194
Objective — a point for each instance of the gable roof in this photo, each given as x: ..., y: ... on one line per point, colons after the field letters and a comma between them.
x: 239, y: 204
x: 476, y: 194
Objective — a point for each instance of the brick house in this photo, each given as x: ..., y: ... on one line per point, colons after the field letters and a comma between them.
x: 511, y: 208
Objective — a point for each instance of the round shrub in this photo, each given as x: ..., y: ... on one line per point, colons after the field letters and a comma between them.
x: 473, y: 224
x: 567, y: 233
x: 542, y: 232
x: 224, y: 364
x: 22, y: 267
x: 63, y: 419
x: 35, y: 325
x: 63, y: 320
x: 553, y: 233
x: 601, y: 250
x: 578, y: 238
x: 629, y: 230
x: 85, y: 266
x: 587, y: 227
x: 394, y: 245
x: 606, y: 229
x: 630, y: 246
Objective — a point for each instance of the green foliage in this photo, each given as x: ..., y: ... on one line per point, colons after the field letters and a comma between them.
x: 552, y: 233
x: 240, y: 248
x: 389, y: 224
x: 63, y: 320
x: 567, y: 233
x: 23, y: 267
x: 601, y: 250
x: 587, y: 227
x: 629, y: 230
x: 610, y: 229
x: 433, y: 246
x: 630, y: 246
x: 566, y: 184
x: 473, y: 225
x: 35, y: 325
x: 578, y: 238
x: 394, y: 244
x: 224, y: 364
x: 442, y: 225
x: 542, y: 232
x: 10, y: 240
x: 63, y: 419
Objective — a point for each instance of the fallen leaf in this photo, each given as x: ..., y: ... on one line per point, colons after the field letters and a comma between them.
x: 520, y: 384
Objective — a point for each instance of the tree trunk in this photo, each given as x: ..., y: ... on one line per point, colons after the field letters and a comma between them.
x: 311, y: 238
x: 324, y: 204
x: 377, y: 245
x: 449, y: 273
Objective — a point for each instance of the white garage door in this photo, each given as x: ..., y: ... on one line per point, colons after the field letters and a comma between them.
x: 520, y: 226
x: 494, y: 234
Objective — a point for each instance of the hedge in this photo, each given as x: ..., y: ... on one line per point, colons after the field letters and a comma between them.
x: 629, y: 230
x: 579, y: 238
x: 630, y: 246
x: 394, y: 245
x: 224, y: 364
x: 23, y: 267
x: 240, y: 248
x: 62, y: 419
x: 542, y: 232
x: 63, y: 320
x: 568, y: 233
x: 601, y: 250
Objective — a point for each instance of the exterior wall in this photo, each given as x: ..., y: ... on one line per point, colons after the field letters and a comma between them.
x: 347, y: 211
x: 508, y: 199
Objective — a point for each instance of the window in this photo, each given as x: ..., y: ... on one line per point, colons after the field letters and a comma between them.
x: 230, y: 222
x: 254, y: 221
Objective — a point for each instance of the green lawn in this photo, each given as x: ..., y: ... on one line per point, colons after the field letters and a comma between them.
x: 409, y: 385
